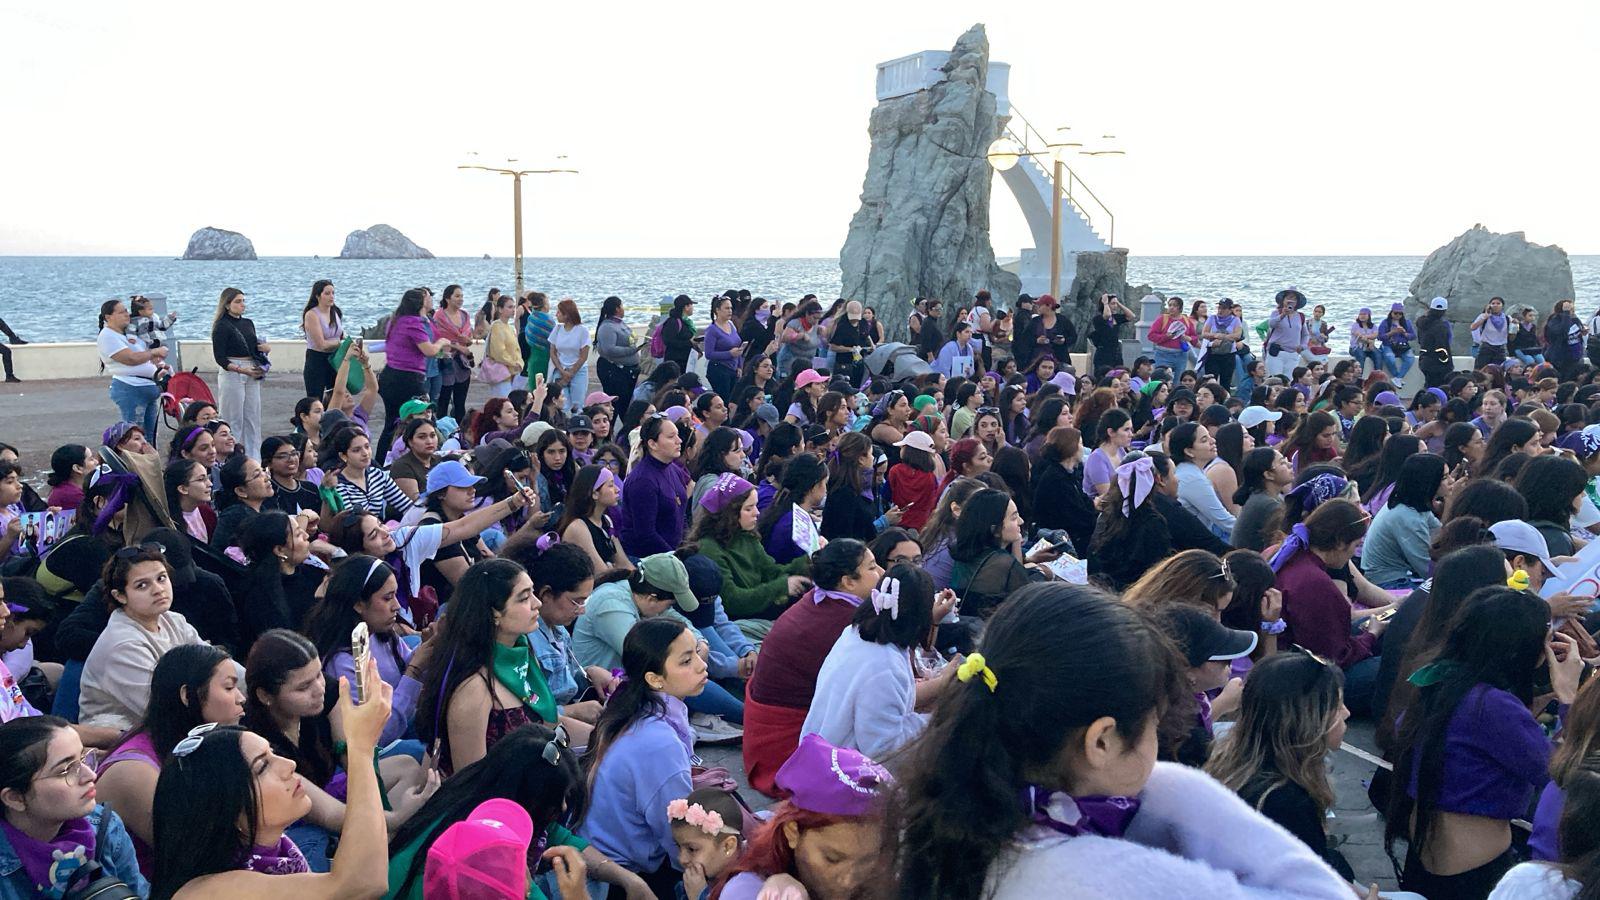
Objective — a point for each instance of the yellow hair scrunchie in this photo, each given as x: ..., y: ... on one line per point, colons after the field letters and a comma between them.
x: 974, y: 665
x: 1518, y: 580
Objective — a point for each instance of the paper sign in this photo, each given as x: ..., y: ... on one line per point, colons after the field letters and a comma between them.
x: 961, y: 366
x: 1581, y: 577
x: 804, y: 531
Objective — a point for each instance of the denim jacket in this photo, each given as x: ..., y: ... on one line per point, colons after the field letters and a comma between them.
x: 113, y: 851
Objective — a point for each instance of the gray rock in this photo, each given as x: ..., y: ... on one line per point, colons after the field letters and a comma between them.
x: 1480, y: 264
x: 381, y: 242
x: 923, y: 226
x: 217, y: 243
x: 1097, y: 273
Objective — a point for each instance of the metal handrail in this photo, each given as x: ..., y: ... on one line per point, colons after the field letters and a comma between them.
x: 1026, y: 137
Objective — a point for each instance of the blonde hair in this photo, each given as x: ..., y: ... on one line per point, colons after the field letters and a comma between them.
x: 228, y: 296
x: 1290, y: 703
x: 1195, y: 577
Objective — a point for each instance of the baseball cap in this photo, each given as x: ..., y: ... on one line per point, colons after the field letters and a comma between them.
x: 1202, y: 638
x: 596, y: 397
x: 1518, y: 536
x: 532, y: 433
x: 484, y: 856
x: 579, y: 422
x: 1438, y: 303
x: 809, y: 377
x: 816, y: 434
x: 412, y: 407
x: 451, y: 473
x: 921, y: 440
x: 705, y: 579
x: 1252, y: 416
x: 768, y: 413
x: 666, y: 571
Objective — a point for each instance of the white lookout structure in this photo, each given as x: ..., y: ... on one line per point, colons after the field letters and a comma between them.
x: 1087, y: 225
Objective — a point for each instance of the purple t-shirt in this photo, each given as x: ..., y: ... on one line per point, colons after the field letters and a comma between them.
x: 1495, y: 755
x: 400, y: 347
x: 1097, y: 469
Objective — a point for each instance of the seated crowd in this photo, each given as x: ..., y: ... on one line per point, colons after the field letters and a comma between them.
x: 991, y: 625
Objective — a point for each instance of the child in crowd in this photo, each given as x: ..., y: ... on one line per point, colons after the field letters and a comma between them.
x: 145, y: 324
x: 707, y: 826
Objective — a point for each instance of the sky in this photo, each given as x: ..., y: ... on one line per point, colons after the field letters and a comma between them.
x: 739, y: 129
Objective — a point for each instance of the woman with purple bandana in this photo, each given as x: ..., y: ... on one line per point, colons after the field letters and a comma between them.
x: 1037, y: 774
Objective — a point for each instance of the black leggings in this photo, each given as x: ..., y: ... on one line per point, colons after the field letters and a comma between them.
x: 1473, y: 884
x: 618, y: 382
x: 318, y: 373
x: 452, y: 401
x: 1220, y: 366
x: 395, y: 387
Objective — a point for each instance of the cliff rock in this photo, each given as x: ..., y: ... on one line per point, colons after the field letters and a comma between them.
x: 923, y: 226
x: 216, y: 243
x: 1480, y: 264
x: 381, y: 242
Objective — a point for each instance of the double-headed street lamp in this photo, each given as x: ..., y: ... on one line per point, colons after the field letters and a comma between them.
x: 516, y: 204
x: 1004, y: 153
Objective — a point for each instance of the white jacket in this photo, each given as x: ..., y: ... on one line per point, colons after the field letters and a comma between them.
x: 865, y: 697
x: 1192, y: 837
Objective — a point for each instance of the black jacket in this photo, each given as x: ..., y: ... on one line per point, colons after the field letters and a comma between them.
x: 231, y: 337
x: 1059, y: 502
x: 1188, y: 532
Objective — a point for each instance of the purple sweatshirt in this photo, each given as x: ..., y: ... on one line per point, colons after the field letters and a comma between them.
x: 392, y: 656
x: 643, y: 771
x: 400, y: 346
x: 653, y: 493
x: 1543, y: 843
x: 719, y: 345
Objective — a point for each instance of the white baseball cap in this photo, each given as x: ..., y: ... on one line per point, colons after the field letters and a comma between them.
x: 1518, y: 536
x: 919, y: 439
x: 1252, y: 416
x: 1438, y: 303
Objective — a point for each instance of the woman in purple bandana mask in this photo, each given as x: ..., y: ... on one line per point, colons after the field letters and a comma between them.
x: 225, y: 799
x: 50, y: 824
x: 1037, y: 775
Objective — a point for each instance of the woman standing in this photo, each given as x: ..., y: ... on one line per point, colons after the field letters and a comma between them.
x: 1223, y: 331
x: 618, y: 365
x: 407, y: 349
x: 452, y: 324
x: 1052, y: 333
x: 724, y: 349
x: 133, y: 368
x: 677, y: 332
x: 569, y: 355
x: 1173, y: 333
x: 1105, y: 331
x: 242, y: 357
x: 800, y: 339
x: 1434, y: 337
x: 1492, y: 331
x: 1563, y: 339
x: 503, y: 350
x: 322, y: 321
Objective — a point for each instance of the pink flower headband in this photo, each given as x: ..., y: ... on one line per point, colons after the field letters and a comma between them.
x: 698, y: 816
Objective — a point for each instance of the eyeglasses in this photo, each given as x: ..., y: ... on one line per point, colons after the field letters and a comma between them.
x: 906, y: 560
x: 556, y: 744
x: 988, y: 410
x: 286, y: 456
x: 191, y: 742
x: 77, y: 772
x: 139, y: 550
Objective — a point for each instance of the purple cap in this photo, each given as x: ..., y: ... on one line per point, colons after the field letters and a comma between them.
x: 1397, y: 307
x: 832, y: 781
x: 1364, y: 311
x: 675, y: 413
x: 722, y: 491
x: 1387, y: 398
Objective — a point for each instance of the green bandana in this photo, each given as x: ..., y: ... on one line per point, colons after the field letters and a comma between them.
x: 515, y: 667
x: 1432, y: 673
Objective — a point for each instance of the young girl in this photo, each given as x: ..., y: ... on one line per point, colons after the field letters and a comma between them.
x: 801, y: 489
x: 364, y: 590
x: 50, y: 825
x: 1037, y: 776
x: 914, y: 480
x: 145, y: 325
x: 225, y: 799
x: 1291, y: 717
x: 707, y: 827
x: 640, y: 753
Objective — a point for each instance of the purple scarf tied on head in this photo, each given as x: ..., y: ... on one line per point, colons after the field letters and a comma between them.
x: 124, y: 482
x: 1074, y: 816
x: 51, y: 865
x: 1317, y: 491
x: 1299, y: 539
x: 1135, y: 479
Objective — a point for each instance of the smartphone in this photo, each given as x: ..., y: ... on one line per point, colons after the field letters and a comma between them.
x: 521, y: 485
x: 361, y: 653
x: 1386, y: 615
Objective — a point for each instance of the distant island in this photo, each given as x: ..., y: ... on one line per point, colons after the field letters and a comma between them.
x: 381, y: 242
x: 219, y: 243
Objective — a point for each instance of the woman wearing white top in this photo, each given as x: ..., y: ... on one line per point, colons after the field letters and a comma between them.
x: 116, y: 676
x: 133, y: 368
x: 569, y: 354
x: 1193, y: 448
x: 867, y: 693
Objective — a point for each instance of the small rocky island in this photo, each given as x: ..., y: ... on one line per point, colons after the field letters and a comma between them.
x: 218, y: 243
x: 1480, y: 264
x: 381, y: 242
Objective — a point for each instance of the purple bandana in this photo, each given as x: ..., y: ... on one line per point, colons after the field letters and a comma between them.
x: 51, y: 865
x: 284, y: 859
x: 722, y: 491
x: 1074, y: 816
x: 1299, y: 539
x: 820, y: 594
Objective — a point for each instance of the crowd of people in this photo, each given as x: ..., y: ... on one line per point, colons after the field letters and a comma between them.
x: 993, y: 621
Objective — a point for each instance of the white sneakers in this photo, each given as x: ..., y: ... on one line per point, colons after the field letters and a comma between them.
x: 710, y: 729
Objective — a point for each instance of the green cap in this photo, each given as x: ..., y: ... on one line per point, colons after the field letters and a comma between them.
x: 666, y: 571
x: 412, y: 407
x: 923, y: 401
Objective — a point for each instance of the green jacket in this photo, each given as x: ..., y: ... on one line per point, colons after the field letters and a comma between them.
x: 751, y: 581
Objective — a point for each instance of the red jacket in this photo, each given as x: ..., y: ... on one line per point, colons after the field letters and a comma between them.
x: 916, y: 493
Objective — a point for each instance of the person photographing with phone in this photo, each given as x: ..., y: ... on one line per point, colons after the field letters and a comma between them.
x: 724, y: 349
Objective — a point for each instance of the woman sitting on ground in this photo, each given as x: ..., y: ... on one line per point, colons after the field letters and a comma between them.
x: 586, y: 517
x: 245, y: 488
x: 939, y: 536
x: 1396, y: 551
x: 1058, y: 497
x: 1131, y: 535
x: 188, y: 485
x: 116, y: 677
x: 278, y: 588
x: 362, y: 484
x: 852, y: 509
x: 801, y: 489
x: 225, y: 799
x: 1265, y: 475
x: 989, y: 564
x: 363, y: 590
x: 725, y: 530
x: 420, y: 438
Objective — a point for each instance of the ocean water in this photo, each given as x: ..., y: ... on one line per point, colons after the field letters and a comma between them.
x: 56, y: 298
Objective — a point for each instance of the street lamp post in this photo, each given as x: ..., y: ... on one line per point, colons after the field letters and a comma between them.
x: 1004, y: 153
x: 516, y: 205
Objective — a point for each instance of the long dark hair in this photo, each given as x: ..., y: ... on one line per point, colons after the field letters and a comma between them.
x: 1396, y: 450
x: 355, y: 579
x: 1253, y: 471
x: 800, y: 474
x: 1496, y: 639
x: 515, y: 769
x: 978, y: 528
x: 1550, y: 484
x: 1113, y: 523
x: 1062, y: 657
x: 272, y: 658
x: 910, y: 625
x: 644, y: 650
x: 25, y: 748
x: 719, y: 443
x: 1418, y: 484
x: 466, y: 640
x: 316, y: 289
x: 782, y: 440
x: 580, y: 502
x: 1515, y: 431
x: 410, y: 305
x: 178, y: 688
x: 204, y: 814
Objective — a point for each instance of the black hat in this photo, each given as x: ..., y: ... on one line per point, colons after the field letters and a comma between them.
x: 1180, y: 395
x: 579, y: 422
x: 1202, y: 638
x: 816, y: 434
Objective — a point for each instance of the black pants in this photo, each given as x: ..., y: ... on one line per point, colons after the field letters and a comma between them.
x: 452, y: 401
x: 1489, y: 354
x: 318, y: 373
x: 619, y: 382
x: 395, y: 387
x: 1437, y: 373
x: 722, y: 379
x: 1473, y: 884
x: 5, y: 357
x: 1220, y: 366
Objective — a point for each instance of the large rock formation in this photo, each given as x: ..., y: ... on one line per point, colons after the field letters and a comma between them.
x: 923, y: 226
x: 1097, y: 273
x: 1480, y: 264
x: 216, y: 243
x: 381, y: 242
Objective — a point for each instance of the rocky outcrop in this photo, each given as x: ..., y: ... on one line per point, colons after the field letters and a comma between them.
x: 217, y: 243
x: 1480, y: 264
x: 381, y: 242
x: 923, y: 226
x: 1105, y: 272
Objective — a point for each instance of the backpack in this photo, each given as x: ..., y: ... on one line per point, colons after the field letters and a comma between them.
x: 658, y: 344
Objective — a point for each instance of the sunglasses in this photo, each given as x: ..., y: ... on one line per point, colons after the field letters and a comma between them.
x: 139, y: 550
x: 192, y: 742
x: 557, y: 743
x: 988, y: 410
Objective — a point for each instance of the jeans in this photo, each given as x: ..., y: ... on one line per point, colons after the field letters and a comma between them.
x: 576, y: 391
x: 314, y: 842
x: 1360, y: 683
x: 502, y: 389
x: 239, y: 402
x: 1529, y: 359
x: 434, y: 384
x: 1398, y: 366
x: 722, y: 379
x: 717, y: 701
x: 139, y: 404
x: 1176, y: 360
x: 1362, y: 356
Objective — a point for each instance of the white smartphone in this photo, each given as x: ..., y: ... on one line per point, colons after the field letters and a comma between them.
x: 360, y: 653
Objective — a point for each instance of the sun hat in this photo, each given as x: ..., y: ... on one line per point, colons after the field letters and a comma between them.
x: 667, y: 572
x: 451, y: 473
x: 1520, y: 537
x: 808, y: 378
x: 1067, y: 382
x: 832, y: 781
x: 484, y: 856
x: 921, y: 440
